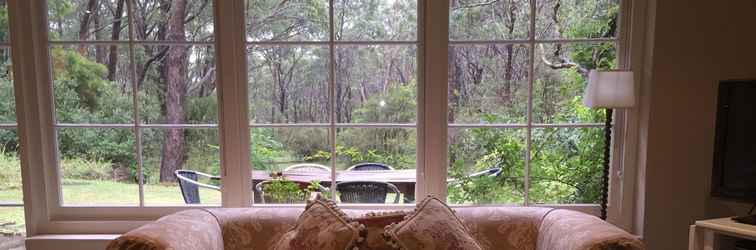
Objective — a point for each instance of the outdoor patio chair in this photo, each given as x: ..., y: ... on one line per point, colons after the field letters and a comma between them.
x: 189, y: 184
x: 307, y: 167
x: 366, y: 191
x: 260, y: 188
x: 488, y: 172
x: 369, y: 166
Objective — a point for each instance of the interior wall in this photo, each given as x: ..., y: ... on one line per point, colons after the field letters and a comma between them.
x: 696, y: 44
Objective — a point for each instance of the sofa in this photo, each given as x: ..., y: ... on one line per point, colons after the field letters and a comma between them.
x: 493, y: 228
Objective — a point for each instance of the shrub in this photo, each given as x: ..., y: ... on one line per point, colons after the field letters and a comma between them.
x: 83, y: 169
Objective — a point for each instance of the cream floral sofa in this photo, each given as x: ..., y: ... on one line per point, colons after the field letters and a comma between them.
x: 493, y: 227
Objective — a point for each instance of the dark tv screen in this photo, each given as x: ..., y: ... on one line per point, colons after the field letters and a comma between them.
x: 734, y: 171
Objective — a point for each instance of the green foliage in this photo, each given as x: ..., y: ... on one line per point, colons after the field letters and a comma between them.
x: 76, y: 72
x: 4, y: 32
x: 265, y: 149
x: 110, y: 145
x: 283, y: 191
x: 397, y: 105
x: 82, y: 169
x: 10, y: 171
x: 485, y: 149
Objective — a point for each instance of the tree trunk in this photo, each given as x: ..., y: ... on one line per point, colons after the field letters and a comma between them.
x: 84, y: 24
x: 507, y: 95
x: 174, y: 72
x: 100, y: 55
x: 115, y: 35
x: 455, y: 81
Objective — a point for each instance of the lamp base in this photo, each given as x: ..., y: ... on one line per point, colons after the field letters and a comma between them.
x: 607, y: 154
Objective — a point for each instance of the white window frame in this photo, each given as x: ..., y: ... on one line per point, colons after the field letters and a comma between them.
x: 36, y: 126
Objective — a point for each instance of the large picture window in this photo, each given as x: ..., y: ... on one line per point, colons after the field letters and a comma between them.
x: 135, y: 101
x: 146, y: 107
x: 518, y: 131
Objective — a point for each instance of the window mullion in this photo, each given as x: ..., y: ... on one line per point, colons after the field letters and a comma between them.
x: 135, y: 102
x: 433, y: 57
x: 232, y: 96
x: 531, y: 82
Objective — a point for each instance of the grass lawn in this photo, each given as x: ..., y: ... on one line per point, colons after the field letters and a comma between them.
x: 12, y: 220
x: 100, y: 193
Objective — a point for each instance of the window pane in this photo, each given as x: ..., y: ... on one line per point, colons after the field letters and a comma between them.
x: 393, y: 149
x: 10, y: 168
x: 564, y: 19
x: 561, y: 77
x: 369, y: 20
x: 488, y: 84
x: 376, y: 84
x: 489, y: 20
x: 301, y: 155
x: 7, y: 97
x: 97, y: 166
x: 88, y: 87
x: 13, y: 227
x: 12, y: 222
x: 566, y: 165
x: 177, y: 84
x: 166, y: 150
x: 288, y: 84
x: 87, y: 20
x: 486, y: 165
x: 176, y: 20
x: 4, y: 31
x: 298, y: 20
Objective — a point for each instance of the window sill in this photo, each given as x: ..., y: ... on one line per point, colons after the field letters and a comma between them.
x: 69, y: 241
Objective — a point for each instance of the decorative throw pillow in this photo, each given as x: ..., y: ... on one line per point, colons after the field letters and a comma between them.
x: 375, y: 223
x: 433, y: 225
x: 323, y: 226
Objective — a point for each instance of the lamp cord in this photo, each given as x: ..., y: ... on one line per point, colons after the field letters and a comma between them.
x: 607, y: 152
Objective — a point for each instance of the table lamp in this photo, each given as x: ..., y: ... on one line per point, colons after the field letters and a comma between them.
x: 609, y: 90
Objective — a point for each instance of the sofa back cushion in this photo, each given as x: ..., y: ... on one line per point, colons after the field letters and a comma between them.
x: 254, y: 228
x: 570, y: 230
x: 503, y: 227
x: 493, y: 227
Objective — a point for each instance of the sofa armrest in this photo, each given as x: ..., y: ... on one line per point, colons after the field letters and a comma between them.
x: 189, y: 229
x: 570, y: 230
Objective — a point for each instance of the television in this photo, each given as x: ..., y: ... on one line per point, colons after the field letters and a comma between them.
x: 734, y: 170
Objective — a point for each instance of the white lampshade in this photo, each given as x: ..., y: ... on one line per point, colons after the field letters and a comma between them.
x: 610, y: 89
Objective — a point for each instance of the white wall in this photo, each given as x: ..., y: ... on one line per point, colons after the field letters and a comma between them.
x: 696, y: 44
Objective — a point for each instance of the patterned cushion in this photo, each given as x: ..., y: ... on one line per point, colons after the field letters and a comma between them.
x: 322, y: 226
x: 433, y: 225
x: 375, y: 223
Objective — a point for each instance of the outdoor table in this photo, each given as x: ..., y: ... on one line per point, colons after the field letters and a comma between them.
x: 403, y: 179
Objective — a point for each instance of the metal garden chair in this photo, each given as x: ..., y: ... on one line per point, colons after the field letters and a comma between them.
x: 369, y: 166
x: 189, y: 184
x: 366, y: 191
x: 307, y: 167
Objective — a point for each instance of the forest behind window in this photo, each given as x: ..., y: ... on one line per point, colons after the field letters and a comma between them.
x: 518, y: 132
